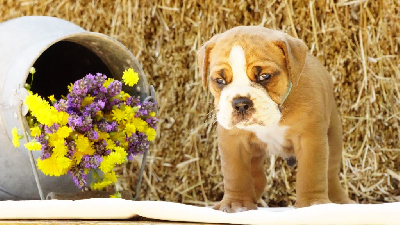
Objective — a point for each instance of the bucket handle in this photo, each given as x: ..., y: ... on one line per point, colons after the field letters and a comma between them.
x: 31, y: 159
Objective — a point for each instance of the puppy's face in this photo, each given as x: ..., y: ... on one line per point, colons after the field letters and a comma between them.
x: 248, y: 78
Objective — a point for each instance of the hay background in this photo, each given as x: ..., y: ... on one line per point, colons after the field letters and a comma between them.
x: 358, y: 41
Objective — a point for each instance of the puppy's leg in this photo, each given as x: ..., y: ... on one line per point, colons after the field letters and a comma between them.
x: 312, y: 176
x: 335, y: 191
x: 258, y: 174
x: 239, y: 194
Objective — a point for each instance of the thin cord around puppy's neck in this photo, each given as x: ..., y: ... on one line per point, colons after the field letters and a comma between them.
x: 287, y: 93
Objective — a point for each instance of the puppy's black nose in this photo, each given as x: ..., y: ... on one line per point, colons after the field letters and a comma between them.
x: 242, y: 104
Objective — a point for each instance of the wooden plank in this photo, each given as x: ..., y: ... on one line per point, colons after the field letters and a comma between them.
x: 95, y: 222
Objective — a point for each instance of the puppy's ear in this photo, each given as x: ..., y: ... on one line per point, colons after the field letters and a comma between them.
x: 295, y: 51
x: 203, y: 59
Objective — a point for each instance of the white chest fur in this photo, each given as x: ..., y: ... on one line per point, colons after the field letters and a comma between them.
x: 273, y: 136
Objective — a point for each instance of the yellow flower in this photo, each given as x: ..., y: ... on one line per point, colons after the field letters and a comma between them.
x: 115, y: 157
x: 44, y: 113
x: 118, y: 136
x: 87, y: 100
x: 64, y: 131
x: 152, y: 114
x: 53, y: 139
x: 57, y: 138
x: 110, y: 144
x: 130, y: 77
x: 120, y: 155
x: 108, y: 82
x: 130, y: 128
x: 151, y: 134
x: 107, y: 164
x: 78, y: 156
x: 16, y: 137
x: 54, y: 166
x: 99, y: 114
x: 35, y: 131
x: 83, y: 145
x: 139, y: 124
x: 70, y: 87
x: 60, y: 149
x: 109, y: 178
x: 129, y: 111
x: 33, y: 146
x: 124, y: 95
x: 62, y: 118
x: 101, y: 185
x: 116, y: 195
x: 51, y: 98
x: 103, y: 135
x: 118, y: 115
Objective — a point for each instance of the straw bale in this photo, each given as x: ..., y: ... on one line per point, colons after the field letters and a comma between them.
x: 358, y: 41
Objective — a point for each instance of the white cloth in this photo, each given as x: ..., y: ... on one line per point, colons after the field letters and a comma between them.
x: 387, y: 213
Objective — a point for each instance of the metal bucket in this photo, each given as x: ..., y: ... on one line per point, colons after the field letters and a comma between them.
x: 61, y: 53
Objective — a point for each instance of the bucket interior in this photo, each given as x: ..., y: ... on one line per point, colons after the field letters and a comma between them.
x: 62, y: 64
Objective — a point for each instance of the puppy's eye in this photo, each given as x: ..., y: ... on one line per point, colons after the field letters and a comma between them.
x: 220, y: 81
x: 264, y: 77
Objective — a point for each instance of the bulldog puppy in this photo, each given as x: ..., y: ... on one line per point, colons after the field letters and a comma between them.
x: 272, y: 97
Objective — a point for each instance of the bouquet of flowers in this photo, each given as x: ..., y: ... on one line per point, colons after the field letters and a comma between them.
x: 95, y: 127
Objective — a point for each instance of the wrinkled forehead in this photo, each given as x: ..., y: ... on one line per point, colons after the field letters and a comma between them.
x: 256, y: 48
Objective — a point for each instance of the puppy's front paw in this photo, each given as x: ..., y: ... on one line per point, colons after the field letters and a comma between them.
x: 232, y: 206
x: 310, y: 202
x: 345, y: 200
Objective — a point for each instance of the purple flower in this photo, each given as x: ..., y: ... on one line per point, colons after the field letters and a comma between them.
x: 145, y: 109
x: 94, y: 107
x: 51, y: 129
x: 100, y: 146
x: 133, y: 101
x: 130, y: 157
x: 152, y: 121
x: 80, y: 87
x: 74, y: 121
x: 100, y: 104
x: 86, y: 123
x: 45, y: 155
x: 81, y: 123
x: 91, y: 162
x: 78, y: 176
x: 114, y: 88
x: 74, y: 101
x: 106, y: 126
x: 92, y: 135
x: 46, y: 150
x: 138, y: 143
x: 71, y: 148
x: 98, y: 80
x: 61, y: 105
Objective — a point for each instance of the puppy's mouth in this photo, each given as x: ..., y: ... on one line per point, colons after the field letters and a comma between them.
x: 243, y: 112
x: 243, y: 119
